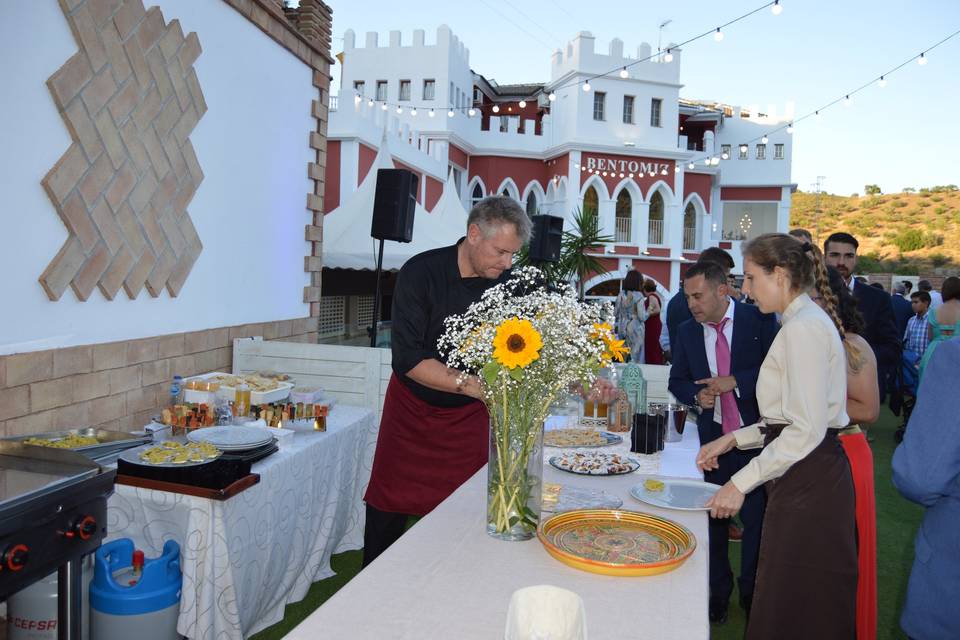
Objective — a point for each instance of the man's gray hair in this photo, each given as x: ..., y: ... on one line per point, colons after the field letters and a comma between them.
x: 899, y: 288
x: 493, y: 211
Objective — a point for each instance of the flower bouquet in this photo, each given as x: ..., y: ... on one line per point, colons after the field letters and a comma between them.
x: 527, y: 345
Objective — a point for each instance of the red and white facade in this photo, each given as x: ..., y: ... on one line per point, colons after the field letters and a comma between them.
x: 630, y: 147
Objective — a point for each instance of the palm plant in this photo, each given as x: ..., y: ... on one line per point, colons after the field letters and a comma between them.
x: 574, y: 261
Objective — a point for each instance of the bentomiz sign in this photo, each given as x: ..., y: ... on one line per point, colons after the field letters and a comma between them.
x: 626, y: 166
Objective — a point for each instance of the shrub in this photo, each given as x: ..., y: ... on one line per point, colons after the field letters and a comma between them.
x: 941, y: 210
x: 899, y: 204
x: 925, y: 203
x: 939, y: 259
x: 937, y: 198
x: 911, y: 190
x: 931, y: 239
x: 909, y: 240
x: 872, y: 190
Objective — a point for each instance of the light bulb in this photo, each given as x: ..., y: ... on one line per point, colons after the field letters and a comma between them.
x: 586, y: 87
x: 384, y: 106
x: 764, y: 139
x: 922, y: 60
x: 790, y: 128
x: 496, y: 108
x: 631, y: 176
x: 431, y: 113
x: 676, y: 168
x: 552, y: 96
x: 663, y: 171
x: 357, y: 98
x: 523, y: 104
x: 450, y: 113
x: 624, y: 73
x: 817, y: 115
x: 583, y: 168
x: 725, y: 156
x: 847, y: 101
x: 707, y: 161
x: 413, y: 112
x: 882, y: 82
x: 690, y: 166
x: 652, y: 174
x: 370, y: 102
x: 743, y: 148
x: 777, y: 9
x: 399, y: 109
x: 471, y: 112
x: 718, y: 35
x: 604, y: 174
x: 668, y: 57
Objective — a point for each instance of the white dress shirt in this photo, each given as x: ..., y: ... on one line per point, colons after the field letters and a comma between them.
x: 710, y: 344
x: 664, y: 331
x: 802, y: 384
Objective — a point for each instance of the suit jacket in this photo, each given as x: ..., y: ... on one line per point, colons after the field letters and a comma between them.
x: 881, y: 329
x: 753, y: 333
x: 925, y: 470
x: 902, y: 311
x: 677, y: 313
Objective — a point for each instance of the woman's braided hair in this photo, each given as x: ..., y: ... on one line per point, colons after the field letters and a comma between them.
x: 832, y: 304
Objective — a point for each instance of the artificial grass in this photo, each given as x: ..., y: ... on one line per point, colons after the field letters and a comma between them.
x: 897, y: 521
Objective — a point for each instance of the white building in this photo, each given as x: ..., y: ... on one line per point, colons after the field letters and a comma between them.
x: 630, y: 146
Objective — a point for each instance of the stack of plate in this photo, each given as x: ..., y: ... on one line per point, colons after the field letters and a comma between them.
x: 232, y: 438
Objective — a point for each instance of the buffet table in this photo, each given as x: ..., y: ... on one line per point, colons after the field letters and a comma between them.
x: 245, y: 558
x: 446, y: 578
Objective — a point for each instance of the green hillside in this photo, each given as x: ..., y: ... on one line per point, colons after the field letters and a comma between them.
x: 905, y: 232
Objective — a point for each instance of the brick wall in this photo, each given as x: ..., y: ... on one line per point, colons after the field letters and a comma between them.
x: 118, y: 385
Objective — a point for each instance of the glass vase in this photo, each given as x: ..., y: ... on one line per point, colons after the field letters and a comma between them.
x: 514, y: 476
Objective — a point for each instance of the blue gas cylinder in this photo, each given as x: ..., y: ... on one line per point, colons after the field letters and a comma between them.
x: 127, y: 601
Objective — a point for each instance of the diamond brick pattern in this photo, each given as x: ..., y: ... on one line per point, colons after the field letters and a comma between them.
x: 130, y: 99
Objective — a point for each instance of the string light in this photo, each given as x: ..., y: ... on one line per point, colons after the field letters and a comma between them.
x: 552, y: 96
x: 431, y: 113
x: 471, y: 112
x: 624, y: 73
x: 357, y: 98
x: 413, y: 112
x: 496, y: 108
x: 743, y: 148
x: 922, y: 60
x: 690, y: 166
x: 523, y: 104
x: 790, y: 128
x: 586, y: 86
x: 764, y: 139
x: 777, y: 8
x: 718, y: 35
x: 847, y: 101
x: 668, y: 57
x: 399, y: 110
x: 450, y: 113
x: 818, y: 116
x: 882, y: 82
x: 370, y: 102
x: 383, y: 106
x: 663, y: 171
x: 676, y: 168
x: 725, y: 156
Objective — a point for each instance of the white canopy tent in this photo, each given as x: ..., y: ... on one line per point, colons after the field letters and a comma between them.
x: 346, y: 230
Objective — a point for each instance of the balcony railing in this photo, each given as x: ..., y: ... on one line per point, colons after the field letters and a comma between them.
x: 655, y: 234
x: 622, y: 230
x: 334, y: 103
x: 689, y: 237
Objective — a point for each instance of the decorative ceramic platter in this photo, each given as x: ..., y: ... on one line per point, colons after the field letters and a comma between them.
x: 674, y: 493
x: 231, y: 438
x: 579, y: 438
x: 558, y: 498
x: 595, y: 464
x: 617, y: 543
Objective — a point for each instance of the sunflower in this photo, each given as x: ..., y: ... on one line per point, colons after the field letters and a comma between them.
x: 516, y: 343
x: 614, y: 349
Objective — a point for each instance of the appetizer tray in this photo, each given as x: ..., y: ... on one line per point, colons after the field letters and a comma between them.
x: 280, y: 389
x: 595, y: 463
x: 89, y: 441
x: 617, y: 543
x: 579, y: 438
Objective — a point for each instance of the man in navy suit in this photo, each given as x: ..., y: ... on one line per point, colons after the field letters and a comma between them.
x: 677, y: 310
x: 716, y: 362
x: 840, y: 252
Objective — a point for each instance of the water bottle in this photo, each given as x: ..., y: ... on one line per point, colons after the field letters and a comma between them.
x: 175, y: 388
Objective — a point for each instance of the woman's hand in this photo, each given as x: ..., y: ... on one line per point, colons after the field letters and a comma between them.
x: 726, y: 502
x: 707, y: 458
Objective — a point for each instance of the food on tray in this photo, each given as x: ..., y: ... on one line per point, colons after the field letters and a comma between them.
x: 600, y: 464
x: 68, y: 442
x: 176, y: 453
x: 254, y: 381
x: 573, y: 438
x: 189, y: 415
x: 653, y: 485
x: 273, y: 375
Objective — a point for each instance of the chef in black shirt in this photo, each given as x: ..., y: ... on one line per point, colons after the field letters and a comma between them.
x: 434, y: 430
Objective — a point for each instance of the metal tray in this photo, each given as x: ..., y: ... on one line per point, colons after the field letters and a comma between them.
x: 109, y: 441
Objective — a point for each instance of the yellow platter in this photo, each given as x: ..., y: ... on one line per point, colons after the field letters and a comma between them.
x: 617, y: 543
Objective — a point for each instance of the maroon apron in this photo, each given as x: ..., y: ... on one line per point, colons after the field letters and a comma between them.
x: 424, y: 452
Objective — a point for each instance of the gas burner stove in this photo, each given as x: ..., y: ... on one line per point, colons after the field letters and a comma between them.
x: 53, y: 511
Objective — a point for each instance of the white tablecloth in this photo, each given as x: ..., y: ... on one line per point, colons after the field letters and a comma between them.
x: 446, y: 578
x: 245, y: 558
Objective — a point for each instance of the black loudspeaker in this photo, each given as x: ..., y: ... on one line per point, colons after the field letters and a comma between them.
x: 547, y: 235
x: 394, y: 204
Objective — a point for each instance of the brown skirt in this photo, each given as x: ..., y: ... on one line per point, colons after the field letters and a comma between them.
x: 807, y: 572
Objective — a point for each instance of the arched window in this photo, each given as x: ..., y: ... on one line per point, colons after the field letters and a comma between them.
x: 591, y: 201
x: 690, y: 227
x: 476, y: 196
x: 656, y: 219
x: 532, y: 204
x: 624, y: 213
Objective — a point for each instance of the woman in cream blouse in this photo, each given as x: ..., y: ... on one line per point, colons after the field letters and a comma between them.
x: 807, y: 571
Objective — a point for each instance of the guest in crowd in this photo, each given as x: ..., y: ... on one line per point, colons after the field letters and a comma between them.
x: 677, y: 310
x: 716, y: 361
x: 878, y: 285
x: 935, y: 298
x: 630, y: 313
x: 943, y: 321
x: 807, y: 572
x: 902, y: 309
x: 840, y: 251
x: 802, y: 235
x: 908, y: 286
x: 916, y: 337
x: 863, y: 408
x: 926, y: 470
x: 434, y: 431
x: 653, y: 354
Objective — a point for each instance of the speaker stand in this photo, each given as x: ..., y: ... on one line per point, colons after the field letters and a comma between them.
x: 376, y: 297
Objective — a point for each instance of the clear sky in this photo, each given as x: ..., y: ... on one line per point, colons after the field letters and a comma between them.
x: 813, y: 52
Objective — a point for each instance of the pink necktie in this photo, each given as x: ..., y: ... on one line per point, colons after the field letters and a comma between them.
x: 728, y: 403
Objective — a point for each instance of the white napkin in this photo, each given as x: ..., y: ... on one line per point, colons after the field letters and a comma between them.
x: 545, y: 612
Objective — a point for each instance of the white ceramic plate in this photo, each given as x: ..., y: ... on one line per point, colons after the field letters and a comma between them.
x: 677, y: 493
x: 231, y: 438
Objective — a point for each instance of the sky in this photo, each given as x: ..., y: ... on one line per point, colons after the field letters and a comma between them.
x: 812, y: 53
